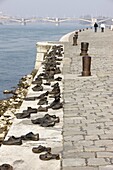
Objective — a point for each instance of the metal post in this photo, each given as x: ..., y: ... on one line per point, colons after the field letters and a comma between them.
x: 86, y: 66
x: 84, y: 48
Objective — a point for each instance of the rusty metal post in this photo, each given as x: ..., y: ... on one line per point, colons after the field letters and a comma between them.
x: 84, y: 48
x: 86, y: 66
x: 75, y: 37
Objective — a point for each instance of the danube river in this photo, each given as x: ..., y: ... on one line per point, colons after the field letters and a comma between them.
x: 18, y: 49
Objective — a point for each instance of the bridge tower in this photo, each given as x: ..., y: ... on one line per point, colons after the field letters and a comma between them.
x: 93, y: 20
x: 57, y: 21
x: 23, y: 22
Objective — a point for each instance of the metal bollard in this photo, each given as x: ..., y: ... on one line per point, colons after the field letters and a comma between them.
x: 75, y: 37
x: 84, y: 48
x: 86, y: 66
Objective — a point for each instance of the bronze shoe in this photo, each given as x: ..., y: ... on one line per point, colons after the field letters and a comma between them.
x: 52, y: 118
x: 6, y: 167
x: 37, y: 88
x: 55, y: 91
x: 57, y: 106
x: 30, y: 136
x: 47, y: 123
x: 31, y: 110
x: 44, y: 122
x: 37, y: 81
x: 23, y: 115
x: 13, y: 141
x: 48, y: 156
x: 56, y: 101
x: 37, y: 121
x: 40, y: 149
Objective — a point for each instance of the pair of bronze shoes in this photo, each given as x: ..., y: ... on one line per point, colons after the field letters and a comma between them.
x: 36, y: 97
x: 56, y: 104
x: 6, y: 167
x: 18, y: 140
x: 47, y: 120
x: 26, y: 113
x: 48, y: 155
x: 55, y: 90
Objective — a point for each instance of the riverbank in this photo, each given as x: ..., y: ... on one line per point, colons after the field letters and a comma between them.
x: 48, y: 135
x: 12, y: 104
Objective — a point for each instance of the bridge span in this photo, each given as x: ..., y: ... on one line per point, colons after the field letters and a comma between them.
x: 56, y: 20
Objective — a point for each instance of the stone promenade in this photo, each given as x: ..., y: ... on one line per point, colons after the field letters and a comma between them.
x: 88, y: 104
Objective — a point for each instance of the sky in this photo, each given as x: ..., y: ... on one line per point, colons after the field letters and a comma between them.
x: 57, y: 8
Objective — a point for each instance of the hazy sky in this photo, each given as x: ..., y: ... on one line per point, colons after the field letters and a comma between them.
x: 56, y: 8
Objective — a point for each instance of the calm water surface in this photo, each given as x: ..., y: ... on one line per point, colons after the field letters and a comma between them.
x: 18, y: 49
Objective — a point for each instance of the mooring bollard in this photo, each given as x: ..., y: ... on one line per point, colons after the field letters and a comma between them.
x: 75, y: 37
x: 84, y: 48
x: 86, y: 66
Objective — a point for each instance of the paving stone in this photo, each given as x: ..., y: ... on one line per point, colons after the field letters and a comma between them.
x: 105, y: 154
x: 103, y: 142
x: 107, y: 167
x: 97, y: 162
x: 73, y: 162
x: 81, y: 168
x: 73, y: 154
x: 94, y: 148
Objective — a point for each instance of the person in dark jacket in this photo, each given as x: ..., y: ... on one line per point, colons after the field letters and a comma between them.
x: 95, y: 26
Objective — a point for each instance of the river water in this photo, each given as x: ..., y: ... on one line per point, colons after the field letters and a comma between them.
x: 18, y: 49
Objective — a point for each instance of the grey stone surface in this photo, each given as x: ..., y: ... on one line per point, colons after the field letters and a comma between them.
x: 88, y: 108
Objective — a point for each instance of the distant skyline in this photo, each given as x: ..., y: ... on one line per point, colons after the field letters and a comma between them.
x: 56, y: 8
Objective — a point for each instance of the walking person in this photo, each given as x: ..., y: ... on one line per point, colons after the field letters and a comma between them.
x: 102, y: 26
x: 95, y: 27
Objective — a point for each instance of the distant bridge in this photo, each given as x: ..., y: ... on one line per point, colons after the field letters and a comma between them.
x: 56, y: 20
x: 90, y: 21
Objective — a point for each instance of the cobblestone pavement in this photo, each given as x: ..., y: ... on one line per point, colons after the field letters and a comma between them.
x: 88, y: 104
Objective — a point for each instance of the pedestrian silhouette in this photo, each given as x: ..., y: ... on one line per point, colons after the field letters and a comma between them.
x: 102, y: 26
x: 95, y: 26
